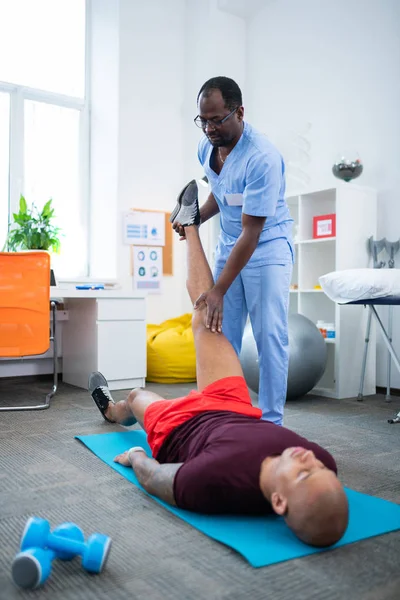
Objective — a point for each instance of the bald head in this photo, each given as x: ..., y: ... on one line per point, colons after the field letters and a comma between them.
x: 307, y: 494
x: 319, y: 517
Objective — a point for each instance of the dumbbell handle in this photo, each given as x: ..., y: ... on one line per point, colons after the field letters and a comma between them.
x: 60, y: 543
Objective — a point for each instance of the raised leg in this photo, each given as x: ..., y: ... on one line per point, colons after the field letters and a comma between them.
x: 235, y: 312
x: 215, y: 356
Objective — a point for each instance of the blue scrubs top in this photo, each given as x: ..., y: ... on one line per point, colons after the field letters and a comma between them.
x: 252, y: 181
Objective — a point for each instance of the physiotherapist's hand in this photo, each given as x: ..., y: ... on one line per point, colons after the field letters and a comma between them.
x: 177, y: 227
x: 214, y: 301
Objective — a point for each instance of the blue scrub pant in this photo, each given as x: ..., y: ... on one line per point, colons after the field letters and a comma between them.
x: 263, y: 294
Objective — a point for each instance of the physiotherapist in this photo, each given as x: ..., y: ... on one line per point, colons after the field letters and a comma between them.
x: 254, y: 256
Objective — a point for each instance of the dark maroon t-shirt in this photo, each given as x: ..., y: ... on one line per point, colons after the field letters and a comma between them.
x: 222, y: 454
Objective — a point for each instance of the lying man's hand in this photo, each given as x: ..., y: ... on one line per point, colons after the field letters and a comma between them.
x: 123, y: 459
x: 214, y: 300
x: 179, y: 230
x: 156, y: 479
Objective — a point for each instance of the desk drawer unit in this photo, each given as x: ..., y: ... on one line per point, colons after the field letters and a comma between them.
x: 121, y: 340
x: 121, y: 309
x: 121, y: 349
x: 106, y: 335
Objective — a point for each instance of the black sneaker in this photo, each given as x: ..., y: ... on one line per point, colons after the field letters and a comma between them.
x: 186, y: 211
x: 98, y: 388
x: 178, y: 203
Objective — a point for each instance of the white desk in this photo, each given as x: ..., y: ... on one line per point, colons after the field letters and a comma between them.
x: 106, y: 332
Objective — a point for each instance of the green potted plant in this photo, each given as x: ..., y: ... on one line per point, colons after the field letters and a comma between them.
x: 33, y: 229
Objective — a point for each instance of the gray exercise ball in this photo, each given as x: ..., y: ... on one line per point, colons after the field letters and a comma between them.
x: 307, y: 357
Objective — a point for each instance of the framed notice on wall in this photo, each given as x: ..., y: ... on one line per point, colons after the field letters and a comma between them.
x: 144, y: 228
x: 147, y: 264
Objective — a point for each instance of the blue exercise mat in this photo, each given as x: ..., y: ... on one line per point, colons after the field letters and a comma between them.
x: 261, y: 540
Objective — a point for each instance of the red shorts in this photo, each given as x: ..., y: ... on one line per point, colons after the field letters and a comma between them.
x: 230, y: 393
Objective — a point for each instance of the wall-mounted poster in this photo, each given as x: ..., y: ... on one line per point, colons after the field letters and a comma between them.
x: 147, y: 268
x: 144, y: 228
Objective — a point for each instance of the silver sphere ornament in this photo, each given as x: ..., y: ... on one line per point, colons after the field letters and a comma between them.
x: 347, y: 169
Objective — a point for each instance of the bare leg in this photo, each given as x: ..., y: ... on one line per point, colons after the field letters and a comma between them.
x: 215, y: 356
x: 134, y: 406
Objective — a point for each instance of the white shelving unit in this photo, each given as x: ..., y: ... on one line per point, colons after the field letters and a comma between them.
x: 356, y: 220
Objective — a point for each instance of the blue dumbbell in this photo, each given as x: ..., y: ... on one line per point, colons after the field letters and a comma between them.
x: 37, y: 531
x: 32, y: 567
x: 65, y: 542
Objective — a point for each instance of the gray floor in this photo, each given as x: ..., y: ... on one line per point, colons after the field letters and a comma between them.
x: 45, y: 472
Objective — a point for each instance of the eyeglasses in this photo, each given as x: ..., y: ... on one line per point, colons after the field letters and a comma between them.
x: 202, y: 123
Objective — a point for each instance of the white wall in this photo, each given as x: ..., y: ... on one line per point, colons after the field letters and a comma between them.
x: 166, y: 52
x: 335, y: 65
x: 150, y: 171
x: 215, y: 44
x: 104, y: 100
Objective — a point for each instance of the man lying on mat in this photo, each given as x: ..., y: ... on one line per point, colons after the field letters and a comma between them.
x: 212, y: 452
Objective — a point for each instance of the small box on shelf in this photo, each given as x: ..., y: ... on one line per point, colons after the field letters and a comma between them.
x: 324, y: 226
x: 327, y: 330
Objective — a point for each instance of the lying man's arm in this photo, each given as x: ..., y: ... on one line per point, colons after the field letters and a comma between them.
x: 155, y: 478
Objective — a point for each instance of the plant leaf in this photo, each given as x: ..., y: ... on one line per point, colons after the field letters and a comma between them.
x: 22, y: 205
x: 46, y: 209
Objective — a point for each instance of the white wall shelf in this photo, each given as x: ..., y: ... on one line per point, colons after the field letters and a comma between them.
x: 356, y: 220
x: 318, y: 241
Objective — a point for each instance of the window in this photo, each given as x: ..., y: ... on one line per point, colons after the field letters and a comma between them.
x: 44, y: 131
x: 4, y: 164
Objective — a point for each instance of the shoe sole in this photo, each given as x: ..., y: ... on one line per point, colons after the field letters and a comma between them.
x: 179, y: 202
x: 174, y: 213
x: 99, y: 375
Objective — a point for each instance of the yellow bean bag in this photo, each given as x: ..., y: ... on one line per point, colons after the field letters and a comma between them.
x: 171, y: 356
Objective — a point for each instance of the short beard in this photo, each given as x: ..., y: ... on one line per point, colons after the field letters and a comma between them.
x: 219, y: 143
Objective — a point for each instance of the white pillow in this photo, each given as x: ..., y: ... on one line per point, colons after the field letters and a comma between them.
x: 360, y: 284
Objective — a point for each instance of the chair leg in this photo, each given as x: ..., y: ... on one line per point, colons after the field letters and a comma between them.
x: 53, y: 339
x: 360, y: 396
